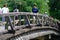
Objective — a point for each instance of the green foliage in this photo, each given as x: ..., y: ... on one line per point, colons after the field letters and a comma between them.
x: 55, y: 8
x: 26, y: 5
x: 28, y: 9
x: 50, y: 6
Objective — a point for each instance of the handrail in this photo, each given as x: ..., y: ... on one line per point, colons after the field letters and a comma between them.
x: 38, y: 18
x: 17, y: 13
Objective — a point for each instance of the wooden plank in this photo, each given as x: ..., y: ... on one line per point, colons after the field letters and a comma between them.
x: 16, y: 21
x: 5, y: 36
x: 18, y: 13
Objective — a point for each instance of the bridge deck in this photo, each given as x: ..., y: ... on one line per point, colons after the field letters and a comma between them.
x: 20, y: 31
x: 39, y: 19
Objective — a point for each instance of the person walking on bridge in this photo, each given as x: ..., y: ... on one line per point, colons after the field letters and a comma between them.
x: 45, y: 18
x: 16, y: 10
x: 35, y: 11
x: 5, y: 10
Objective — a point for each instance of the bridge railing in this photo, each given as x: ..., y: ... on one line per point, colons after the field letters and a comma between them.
x: 26, y: 19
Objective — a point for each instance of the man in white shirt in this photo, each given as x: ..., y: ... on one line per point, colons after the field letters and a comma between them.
x: 4, y: 11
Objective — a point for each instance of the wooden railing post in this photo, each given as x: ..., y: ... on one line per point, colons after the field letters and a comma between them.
x: 38, y: 20
x: 6, y: 25
x: 27, y: 22
x: 42, y: 21
x: 19, y: 17
x: 14, y: 21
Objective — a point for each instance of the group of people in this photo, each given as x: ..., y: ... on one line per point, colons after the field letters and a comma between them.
x: 5, y: 10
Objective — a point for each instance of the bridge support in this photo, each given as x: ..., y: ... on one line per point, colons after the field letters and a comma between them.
x: 38, y: 38
x: 9, y: 21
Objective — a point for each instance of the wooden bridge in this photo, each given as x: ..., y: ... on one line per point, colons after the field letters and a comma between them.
x: 26, y: 26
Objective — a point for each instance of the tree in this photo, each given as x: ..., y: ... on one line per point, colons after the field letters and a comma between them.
x: 55, y: 8
x: 26, y: 5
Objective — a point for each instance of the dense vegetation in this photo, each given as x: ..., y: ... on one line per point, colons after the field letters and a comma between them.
x: 26, y: 5
x: 50, y: 6
x: 54, y: 8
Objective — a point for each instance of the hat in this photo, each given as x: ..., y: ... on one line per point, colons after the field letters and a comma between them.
x: 45, y: 12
